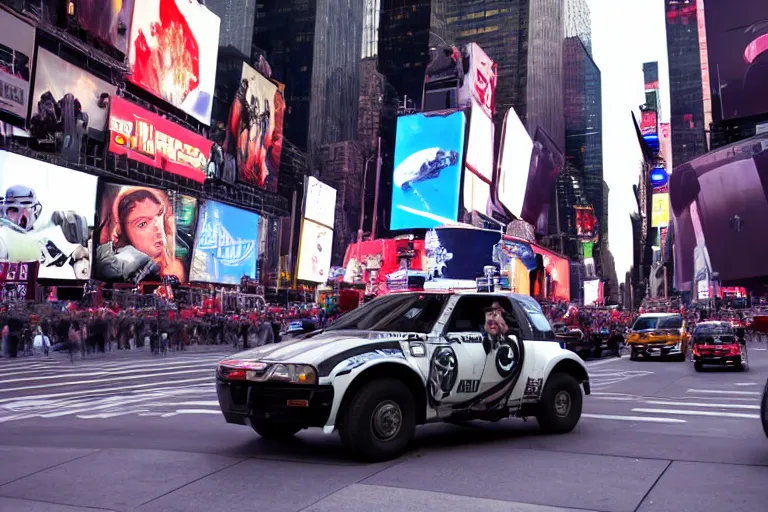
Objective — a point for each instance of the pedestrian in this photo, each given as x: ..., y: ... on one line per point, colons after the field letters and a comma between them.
x: 42, y: 341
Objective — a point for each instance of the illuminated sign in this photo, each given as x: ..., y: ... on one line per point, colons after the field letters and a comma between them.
x: 660, y: 210
x: 648, y: 122
x: 148, y: 138
x: 659, y: 177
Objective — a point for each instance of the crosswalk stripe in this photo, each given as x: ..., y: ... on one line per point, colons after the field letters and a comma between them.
x: 102, y: 381
x: 705, y: 405
x: 698, y: 413
x: 723, y: 392
x: 102, y: 373
x: 645, y: 419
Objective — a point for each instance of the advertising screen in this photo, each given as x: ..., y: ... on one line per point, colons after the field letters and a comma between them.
x: 737, y: 42
x: 255, y: 130
x: 152, y: 140
x: 109, y: 22
x: 553, y: 278
x: 459, y: 253
x: 320, y: 202
x: 586, y: 222
x: 479, y: 161
x: 144, y: 233
x: 429, y: 152
x: 314, y: 252
x: 546, y: 162
x: 58, y: 77
x: 660, y: 210
x: 648, y: 123
x: 17, y: 47
x: 46, y: 214
x: 480, y: 81
x: 172, y: 53
x: 591, y: 292
x: 514, y: 164
x: 226, y: 246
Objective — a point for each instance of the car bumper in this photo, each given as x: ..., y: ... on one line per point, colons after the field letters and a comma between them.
x: 718, y: 360
x: 657, y: 351
x: 241, y: 402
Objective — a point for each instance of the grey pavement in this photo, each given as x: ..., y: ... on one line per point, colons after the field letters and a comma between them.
x: 144, y: 433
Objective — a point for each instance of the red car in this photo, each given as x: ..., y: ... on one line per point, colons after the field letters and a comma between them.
x: 718, y: 343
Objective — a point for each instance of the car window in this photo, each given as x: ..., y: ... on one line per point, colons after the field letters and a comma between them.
x: 713, y: 330
x: 645, y: 322
x: 411, y: 312
x: 469, y: 314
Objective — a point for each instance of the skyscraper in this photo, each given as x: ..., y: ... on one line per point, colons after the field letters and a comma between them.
x: 578, y: 22
x: 314, y: 48
x: 236, y: 22
x: 687, y: 122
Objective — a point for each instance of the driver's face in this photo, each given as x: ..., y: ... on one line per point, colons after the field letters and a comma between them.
x: 494, y: 323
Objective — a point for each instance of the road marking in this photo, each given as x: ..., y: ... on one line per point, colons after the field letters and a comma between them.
x: 645, y: 419
x: 593, y: 364
x: 723, y: 392
x: 699, y: 413
x: 760, y: 349
x: 106, y: 380
x: 113, y: 374
x: 746, y: 384
x: 694, y: 404
x: 84, y: 392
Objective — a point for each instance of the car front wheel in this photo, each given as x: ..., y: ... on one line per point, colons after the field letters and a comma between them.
x: 379, y: 420
x: 764, y: 410
x: 561, y: 403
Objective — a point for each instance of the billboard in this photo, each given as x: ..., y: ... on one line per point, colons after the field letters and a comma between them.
x: 226, y: 246
x: 172, y: 53
x: 514, y: 163
x: 648, y: 122
x: 737, y: 42
x: 143, y: 233
x: 46, y: 214
x: 254, y: 137
x: 459, y: 253
x: 320, y: 202
x: 591, y: 292
x: 109, y: 22
x: 660, y: 210
x: 479, y: 161
x: 58, y: 77
x: 153, y: 140
x: 479, y: 84
x: 314, y: 252
x: 546, y: 162
x: 586, y: 222
x: 17, y: 47
x: 552, y: 278
x: 429, y: 152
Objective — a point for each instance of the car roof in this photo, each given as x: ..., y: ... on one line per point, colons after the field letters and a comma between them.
x: 658, y: 315
x: 714, y: 323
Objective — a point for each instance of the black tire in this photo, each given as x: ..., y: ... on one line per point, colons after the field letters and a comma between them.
x: 561, y: 403
x: 680, y: 358
x: 273, y: 430
x: 698, y: 366
x: 740, y: 367
x: 632, y: 354
x: 764, y: 410
x: 368, y: 429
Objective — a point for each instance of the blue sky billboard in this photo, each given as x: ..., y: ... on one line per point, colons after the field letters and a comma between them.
x: 226, y: 246
x: 429, y: 154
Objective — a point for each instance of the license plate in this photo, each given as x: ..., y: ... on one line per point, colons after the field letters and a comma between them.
x: 656, y: 353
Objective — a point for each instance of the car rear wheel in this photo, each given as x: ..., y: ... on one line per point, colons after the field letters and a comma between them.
x: 275, y: 430
x: 764, y: 410
x: 698, y: 366
x: 379, y: 420
x: 561, y: 403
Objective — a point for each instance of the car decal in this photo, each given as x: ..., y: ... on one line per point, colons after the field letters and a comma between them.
x: 324, y: 368
x: 533, y: 388
x: 443, y: 372
x: 468, y: 386
x: 359, y: 360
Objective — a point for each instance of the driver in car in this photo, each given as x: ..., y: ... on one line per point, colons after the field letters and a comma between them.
x: 498, y: 333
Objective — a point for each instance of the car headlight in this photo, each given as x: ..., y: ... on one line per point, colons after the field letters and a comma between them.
x: 293, y: 373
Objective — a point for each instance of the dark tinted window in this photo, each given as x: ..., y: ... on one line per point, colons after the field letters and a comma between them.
x: 671, y: 322
x: 395, y: 313
x: 645, y: 322
x: 713, y: 330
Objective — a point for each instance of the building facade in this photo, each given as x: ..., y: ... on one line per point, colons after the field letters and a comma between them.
x: 236, y: 22
x: 687, y: 122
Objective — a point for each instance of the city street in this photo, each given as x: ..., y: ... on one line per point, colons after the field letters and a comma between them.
x: 128, y: 431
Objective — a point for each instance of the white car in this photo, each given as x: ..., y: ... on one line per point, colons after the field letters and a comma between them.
x: 403, y: 360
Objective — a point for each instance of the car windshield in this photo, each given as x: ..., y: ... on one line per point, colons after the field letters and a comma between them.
x: 395, y: 313
x: 670, y: 322
x: 713, y: 330
x: 533, y: 310
x: 645, y: 323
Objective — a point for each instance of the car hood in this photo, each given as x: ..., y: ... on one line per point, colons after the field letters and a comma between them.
x: 318, y: 348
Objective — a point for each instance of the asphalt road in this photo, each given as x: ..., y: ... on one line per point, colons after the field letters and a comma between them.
x: 130, y: 431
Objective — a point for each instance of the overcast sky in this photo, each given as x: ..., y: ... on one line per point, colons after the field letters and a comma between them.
x: 624, y: 35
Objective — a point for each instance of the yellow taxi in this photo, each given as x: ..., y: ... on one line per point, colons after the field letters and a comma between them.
x: 658, y: 336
